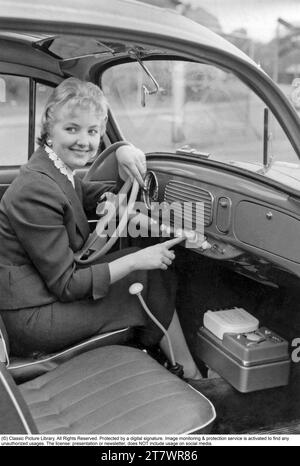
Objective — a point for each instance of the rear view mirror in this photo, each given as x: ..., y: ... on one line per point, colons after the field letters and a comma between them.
x: 2, y: 90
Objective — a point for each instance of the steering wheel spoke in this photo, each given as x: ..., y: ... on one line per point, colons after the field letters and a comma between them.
x: 99, y: 242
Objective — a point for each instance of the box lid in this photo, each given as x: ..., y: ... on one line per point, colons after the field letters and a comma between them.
x: 235, y: 320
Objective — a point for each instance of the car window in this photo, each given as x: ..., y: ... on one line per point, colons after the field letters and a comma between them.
x: 42, y: 94
x: 199, y: 106
x: 14, y: 115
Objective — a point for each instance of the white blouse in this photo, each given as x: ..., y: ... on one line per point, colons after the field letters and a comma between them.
x: 60, y: 165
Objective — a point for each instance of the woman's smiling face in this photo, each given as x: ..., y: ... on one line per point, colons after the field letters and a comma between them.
x: 75, y: 135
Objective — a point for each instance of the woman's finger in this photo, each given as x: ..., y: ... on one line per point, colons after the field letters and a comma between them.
x: 127, y: 171
x: 169, y: 254
x: 136, y: 174
x: 142, y: 167
x: 172, y: 242
x: 163, y: 266
x: 166, y: 260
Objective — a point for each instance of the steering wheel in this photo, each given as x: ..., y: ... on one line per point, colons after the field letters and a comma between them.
x: 96, y: 245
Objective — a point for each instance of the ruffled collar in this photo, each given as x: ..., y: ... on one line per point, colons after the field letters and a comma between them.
x: 60, y: 165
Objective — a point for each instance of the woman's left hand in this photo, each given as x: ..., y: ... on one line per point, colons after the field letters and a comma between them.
x: 132, y: 163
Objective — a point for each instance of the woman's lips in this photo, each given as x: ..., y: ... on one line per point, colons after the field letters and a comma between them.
x: 80, y: 151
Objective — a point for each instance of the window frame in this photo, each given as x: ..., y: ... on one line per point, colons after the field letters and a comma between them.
x: 35, y: 77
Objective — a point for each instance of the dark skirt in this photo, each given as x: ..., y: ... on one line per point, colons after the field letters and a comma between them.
x: 58, y: 325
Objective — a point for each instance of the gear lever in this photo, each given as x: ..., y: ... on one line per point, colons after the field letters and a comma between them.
x: 175, y: 368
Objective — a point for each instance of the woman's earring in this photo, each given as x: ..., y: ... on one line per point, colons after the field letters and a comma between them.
x: 49, y: 143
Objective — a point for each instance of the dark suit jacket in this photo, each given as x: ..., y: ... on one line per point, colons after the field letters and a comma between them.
x: 42, y: 224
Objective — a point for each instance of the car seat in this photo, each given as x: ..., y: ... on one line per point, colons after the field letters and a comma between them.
x: 111, y: 389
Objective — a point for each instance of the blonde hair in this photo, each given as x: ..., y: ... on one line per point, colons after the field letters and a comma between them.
x: 73, y: 92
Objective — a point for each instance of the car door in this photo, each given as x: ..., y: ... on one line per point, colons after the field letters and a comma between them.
x: 26, y: 80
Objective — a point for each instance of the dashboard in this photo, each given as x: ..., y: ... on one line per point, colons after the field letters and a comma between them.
x: 249, y: 225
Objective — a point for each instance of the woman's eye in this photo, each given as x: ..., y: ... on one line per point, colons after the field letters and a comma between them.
x: 93, y: 132
x: 71, y: 130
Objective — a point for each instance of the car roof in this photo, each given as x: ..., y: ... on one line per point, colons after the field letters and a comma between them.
x: 41, y: 18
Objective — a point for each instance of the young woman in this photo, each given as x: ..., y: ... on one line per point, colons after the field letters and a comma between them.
x: 47, y: 301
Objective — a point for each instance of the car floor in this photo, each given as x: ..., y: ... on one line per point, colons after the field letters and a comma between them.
x: 276, y: 409
x: 206, y: 284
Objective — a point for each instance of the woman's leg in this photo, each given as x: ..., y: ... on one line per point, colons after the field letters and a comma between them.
x: 180, y: 348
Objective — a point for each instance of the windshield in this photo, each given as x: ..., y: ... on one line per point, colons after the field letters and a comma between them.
x: 200, y: 107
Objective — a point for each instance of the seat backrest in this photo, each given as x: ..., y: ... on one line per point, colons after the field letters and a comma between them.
x: 15, y: 417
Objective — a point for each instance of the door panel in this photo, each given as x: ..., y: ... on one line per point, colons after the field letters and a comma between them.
x: 7, y: 175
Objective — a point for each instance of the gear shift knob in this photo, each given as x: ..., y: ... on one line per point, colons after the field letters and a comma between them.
x: 136, y: 288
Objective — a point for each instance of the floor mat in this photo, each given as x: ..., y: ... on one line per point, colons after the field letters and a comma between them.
x: 264, y: 410
x: 293, y: 428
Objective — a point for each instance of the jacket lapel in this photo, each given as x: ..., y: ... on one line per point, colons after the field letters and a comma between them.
x: 40, y: 162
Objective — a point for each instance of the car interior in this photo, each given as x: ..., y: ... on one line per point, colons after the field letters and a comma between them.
x: 242, y: 252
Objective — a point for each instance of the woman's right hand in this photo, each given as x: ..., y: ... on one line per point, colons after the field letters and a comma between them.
x: 154, y: 257
x: 158, y: 256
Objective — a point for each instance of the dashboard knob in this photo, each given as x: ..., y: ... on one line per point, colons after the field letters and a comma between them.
x: 205, y: 245
x: 190, y: 235
x: 224, y: 203
x: 168, y: 230
x: 269, y: 215
x: 179, y: 232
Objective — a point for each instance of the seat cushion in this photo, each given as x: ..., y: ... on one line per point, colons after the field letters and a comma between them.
x: 23, y: 369
x: 115, y: 390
